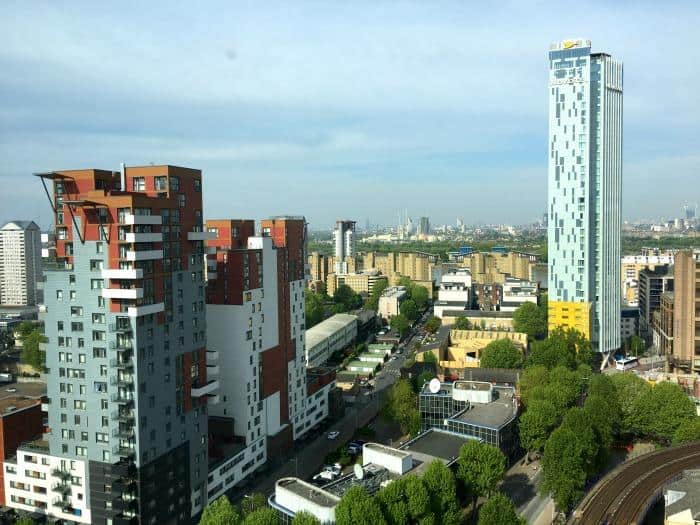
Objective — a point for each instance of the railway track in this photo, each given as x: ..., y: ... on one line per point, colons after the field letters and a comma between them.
x: 621, y: 496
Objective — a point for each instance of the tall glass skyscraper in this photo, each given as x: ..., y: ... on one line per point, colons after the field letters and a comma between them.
x: 585, y: 181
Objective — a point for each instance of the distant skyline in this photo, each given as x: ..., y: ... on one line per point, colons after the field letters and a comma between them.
x: 330, y: 109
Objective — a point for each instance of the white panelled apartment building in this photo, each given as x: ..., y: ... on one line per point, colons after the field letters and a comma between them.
x: 20, y: 263
x: 585, y: 180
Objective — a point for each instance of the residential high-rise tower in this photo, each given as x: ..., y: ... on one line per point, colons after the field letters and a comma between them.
x: 20, y: 263
x: 585, y: 179
x: 344, y: 244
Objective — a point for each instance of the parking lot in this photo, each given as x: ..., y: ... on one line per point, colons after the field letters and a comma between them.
x: 33, y: 390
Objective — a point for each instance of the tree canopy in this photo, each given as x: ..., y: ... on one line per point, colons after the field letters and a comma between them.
x: 305, y: 518
x: 463, y: 323
x: 253, y: 502
x: 400, y: 323
x: 262, y: 516
x: 562, y: 348
x: 480, y: 467
x: 402, y: 407
x: 499, y: 510
x: 659, y: 411
x: 372, y: 302
x: 220, y: 512
x: 687, y: 431
x: 409, y: 309
x: 537, y: 423
x: 356, y: 507
x: 32, y: 337
x: 563, y: 469
x: 530, y: 319
x: 442, y: 490
x: 501, y: 353
x: 346, y: 299
x: 313, y: 304
x: 433, y: 324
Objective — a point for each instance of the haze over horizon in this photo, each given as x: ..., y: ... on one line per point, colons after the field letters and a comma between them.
x: 330, y: 110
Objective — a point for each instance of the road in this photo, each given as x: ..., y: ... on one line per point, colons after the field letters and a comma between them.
x: 308, y: 457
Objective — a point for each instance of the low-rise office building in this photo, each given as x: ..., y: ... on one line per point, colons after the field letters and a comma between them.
x: 390, y: 301
x: 485, y: 320
x: 481, y: 411
x: 362, y: 283
x: 380, y: 466
x: 329, y: 336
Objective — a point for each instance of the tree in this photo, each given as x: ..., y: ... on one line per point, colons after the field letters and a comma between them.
x: 373, y: 300
x: 603, y: 415
x: 25, y: 328
x: 305, y: 518
x: 499, y: 510
x: 404, y: 500
x: 480, y: 467
x: 24, y: 520
x: 402, y: 407
x: 419, y: 294
x: 532, y: 377
x: 687, y: 431
x: 635, y: 345
x: 313, y: 303
x: 463, y: 323
x: 576, y: 420
x: 564, y: 473
x: 537, y: 423
x: 630, y: 388
x: 660, y: 411
x: 400, y: 324
x: 531, y: 320
x: 422, y: 378
x: 345, y: 298
x: 220, y: 512
x: 562, y: 348
x: 253, y: 502
x: 432, y: 325
x: 262, y: 516
x: 356, y: 507
x: 442, y: 490
x: 32, y: 354
x: 501, y: 353
x: 409, y: 309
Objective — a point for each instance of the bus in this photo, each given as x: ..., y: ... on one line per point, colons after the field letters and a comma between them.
x: 627, y: 363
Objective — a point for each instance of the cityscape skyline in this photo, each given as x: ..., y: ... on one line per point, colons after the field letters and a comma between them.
x: 417, y: 116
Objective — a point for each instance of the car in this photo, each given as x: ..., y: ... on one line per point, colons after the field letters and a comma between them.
x: 354, y: 449
x: 11, y: 390
x: 333, y: 434
x: 336, y: 468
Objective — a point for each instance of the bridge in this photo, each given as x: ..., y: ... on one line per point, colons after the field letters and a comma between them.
x: 624, y: 496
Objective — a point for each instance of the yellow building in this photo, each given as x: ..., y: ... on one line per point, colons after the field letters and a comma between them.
x: 570, y: 315
x: 465, y: 347
x: 362, y: 283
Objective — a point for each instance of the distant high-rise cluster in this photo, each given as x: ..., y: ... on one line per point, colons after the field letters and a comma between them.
x: 20, y: 263
x: 585, y: 181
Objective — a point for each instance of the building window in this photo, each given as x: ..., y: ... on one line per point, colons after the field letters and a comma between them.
x: 59, y: 295
x: 139, y: 183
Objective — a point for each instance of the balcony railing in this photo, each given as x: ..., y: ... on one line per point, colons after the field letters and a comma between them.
x: 123, y: 274
x: 121, y: 364
x: 120, y: 328
x: 121, y: 345
x: 61, y: 474
x: 141, y: 219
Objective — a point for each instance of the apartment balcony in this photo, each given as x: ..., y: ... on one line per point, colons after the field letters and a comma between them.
x: 124, y: 416
x: 200, y: 236
x: 125, y: 518
x: 120, y: 328
x: 143, y: 237
x: 122, y: 382
x: 126, y: 471
x: 62, y: 487
x: 138, y: 311
x: 212, y: 357
x: 212, y: 370
x: 61, y: 474
x: 142, y: 219
x: 136, y: 273
x: 124, y: 433
x: 123, y: 504
x: 64, y: 504
x: 123, y: 399
x: 121, y: 345
x: 122, y: 293
x: 210, y: 250
x: 206, y: 389
x: 212, y: 276
x: 144, y: 255
x: 124, y: 451
x: 122, y: 364
x: 213, y: 399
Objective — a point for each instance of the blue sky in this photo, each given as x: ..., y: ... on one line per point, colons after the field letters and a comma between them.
x: 329, y: 109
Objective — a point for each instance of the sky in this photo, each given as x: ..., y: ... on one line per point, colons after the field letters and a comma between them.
x: 334, y: 109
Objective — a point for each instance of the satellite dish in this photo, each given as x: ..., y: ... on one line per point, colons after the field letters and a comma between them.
x: 434, y: 385
x: 359, y: 471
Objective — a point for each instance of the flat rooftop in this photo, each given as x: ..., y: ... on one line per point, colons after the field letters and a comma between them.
x: 12, y: 404
x: 438, y: 444
x: 387, y: 450
x: 472, y: 385
x: 327, y: 328
x: 491, y: 415
x: 394, y: 291
x: 309, y: 492
x: 32, y: 390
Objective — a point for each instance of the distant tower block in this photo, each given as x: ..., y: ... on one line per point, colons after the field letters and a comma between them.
x: 344, y: 244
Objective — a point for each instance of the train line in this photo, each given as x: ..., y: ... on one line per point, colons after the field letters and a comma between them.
x: 622, y: 497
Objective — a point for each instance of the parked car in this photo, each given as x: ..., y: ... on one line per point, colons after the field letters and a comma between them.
x: 354, y: 449
x: 333, y: 434
x: 11, y: 390
x: 336, y: 468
